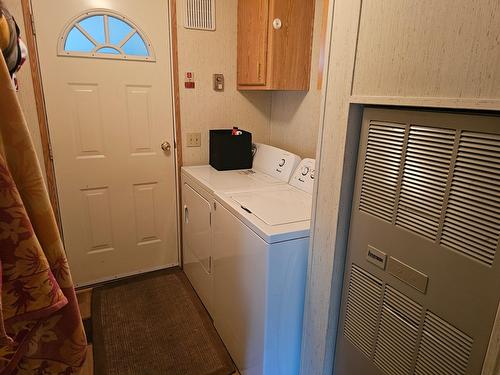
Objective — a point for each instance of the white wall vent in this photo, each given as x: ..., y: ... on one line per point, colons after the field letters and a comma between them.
x: 199, y: 14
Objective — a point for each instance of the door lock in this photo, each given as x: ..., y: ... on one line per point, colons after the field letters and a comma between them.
x: 165, y: 146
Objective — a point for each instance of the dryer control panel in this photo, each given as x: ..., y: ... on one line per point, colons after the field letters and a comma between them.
x: 303, y: 177
x: 275, y: 162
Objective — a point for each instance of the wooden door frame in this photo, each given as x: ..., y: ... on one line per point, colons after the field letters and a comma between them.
x: 40, y: 108
x: 30, y: 38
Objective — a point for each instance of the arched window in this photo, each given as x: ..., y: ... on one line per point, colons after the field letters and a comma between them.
x: 104, y: 34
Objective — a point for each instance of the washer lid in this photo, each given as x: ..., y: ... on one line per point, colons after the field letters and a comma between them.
x: 276, y: 207
x: 235, y: 180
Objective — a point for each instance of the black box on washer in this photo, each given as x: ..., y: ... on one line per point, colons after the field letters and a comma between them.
x: 229, y: 151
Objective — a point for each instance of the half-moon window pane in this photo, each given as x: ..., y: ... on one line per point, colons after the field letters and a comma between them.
x: 118, y: 30
x: 135, y: 46
x: 108, y: 50
x: 77, y: 42
x: 95, y: 27
x: 105, y: 34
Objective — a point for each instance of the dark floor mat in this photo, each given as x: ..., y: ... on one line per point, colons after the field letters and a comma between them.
x: 155, y: 324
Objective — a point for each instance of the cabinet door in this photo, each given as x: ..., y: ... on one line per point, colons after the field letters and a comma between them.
x: 252, y: 41
x: 196, y: 243
x: 290, y: 45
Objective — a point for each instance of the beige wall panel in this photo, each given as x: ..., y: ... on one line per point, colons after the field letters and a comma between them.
x: 427, y: 48
x: 409, y: 68
x: 205, y: 53
x: 26, y: 92
x: 295, y: 114
x: 333, y: 194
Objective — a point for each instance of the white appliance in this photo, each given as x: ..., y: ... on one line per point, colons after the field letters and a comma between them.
x: 271, y: 167
x: 261, y: 242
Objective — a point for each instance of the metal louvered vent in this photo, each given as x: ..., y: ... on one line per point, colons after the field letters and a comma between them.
x: 472, y: 221
x: 398, y: 333
x: 426, y: 170
x: 363, y: 302
x: 199, y: 14
x: 443, y: 348
x: 381, y: 169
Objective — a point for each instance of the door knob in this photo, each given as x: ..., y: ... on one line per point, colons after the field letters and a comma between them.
x: 165, y: 146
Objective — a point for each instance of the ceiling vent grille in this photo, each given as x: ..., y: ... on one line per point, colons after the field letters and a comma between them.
x: 425, y: 176
x: 472, y: 221
x: 363, y: 301
x: 381, y: 169
x: 443, y: 348
x: 199, y: 14
x: 398, y: 333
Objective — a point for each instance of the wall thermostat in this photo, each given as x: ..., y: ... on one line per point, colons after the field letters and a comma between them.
x: 219, y: 82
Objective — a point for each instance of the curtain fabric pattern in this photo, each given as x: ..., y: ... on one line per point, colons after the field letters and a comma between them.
x: 41, y: 331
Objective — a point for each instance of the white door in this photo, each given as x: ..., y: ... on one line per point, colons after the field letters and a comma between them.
x: 106, y: 76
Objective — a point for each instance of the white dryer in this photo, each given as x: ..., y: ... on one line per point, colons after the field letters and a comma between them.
x: 271, y: 167
x: 260, y: 266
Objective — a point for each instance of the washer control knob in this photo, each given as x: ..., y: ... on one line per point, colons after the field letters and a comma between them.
x: 282, y: 162
x: 305, y: 171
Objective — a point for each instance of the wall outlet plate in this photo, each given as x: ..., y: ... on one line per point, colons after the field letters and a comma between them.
x: 193, y: 140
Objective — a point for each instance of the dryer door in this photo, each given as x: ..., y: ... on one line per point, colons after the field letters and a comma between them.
x: 197, y: 258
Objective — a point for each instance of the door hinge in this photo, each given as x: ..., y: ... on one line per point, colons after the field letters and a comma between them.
x: 215, y: 206
x: 33, y: 29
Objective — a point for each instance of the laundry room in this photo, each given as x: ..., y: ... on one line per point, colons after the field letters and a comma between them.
x: 249, y: 187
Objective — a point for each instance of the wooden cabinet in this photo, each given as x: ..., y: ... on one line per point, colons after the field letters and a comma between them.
x: 275, y: 57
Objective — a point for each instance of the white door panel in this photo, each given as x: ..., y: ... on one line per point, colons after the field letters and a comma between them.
x: 107, y: 120
x: 197, y: 244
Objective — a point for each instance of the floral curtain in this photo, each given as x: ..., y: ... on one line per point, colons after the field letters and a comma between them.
x: 41, y: 330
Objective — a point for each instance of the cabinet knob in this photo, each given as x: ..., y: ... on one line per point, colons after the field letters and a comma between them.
x: 277, y: 24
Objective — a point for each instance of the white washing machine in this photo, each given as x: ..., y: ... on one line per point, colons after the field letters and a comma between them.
x: 260, y: 267
x: 271, y: 167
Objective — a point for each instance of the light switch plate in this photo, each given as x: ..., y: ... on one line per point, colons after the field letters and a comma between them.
x: 193, y: 139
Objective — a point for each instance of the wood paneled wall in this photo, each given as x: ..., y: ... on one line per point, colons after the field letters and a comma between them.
x: 429, y: 50
x: 425, y: 53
